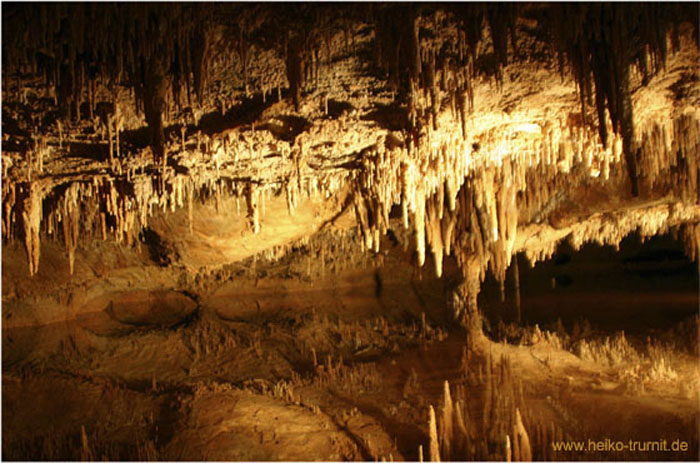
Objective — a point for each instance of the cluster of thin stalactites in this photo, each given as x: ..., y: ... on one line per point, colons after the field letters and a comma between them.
x: 462, y: 198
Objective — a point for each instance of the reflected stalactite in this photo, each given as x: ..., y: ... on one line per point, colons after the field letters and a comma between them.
x: 501, y: 433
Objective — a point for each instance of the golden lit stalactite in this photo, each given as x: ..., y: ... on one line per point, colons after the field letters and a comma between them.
x: 507, y: 215
x: 606, y: 56
x: 128, y: 216
x: 9, y: 200
x: 438, y: 162
x: 442, y: 169
x: 30, y: 210
x: 363, y: 218
x: 433, y: 230
x: 251, y: 196
x: 190, y: 207
x: 291, y: 194
x: 71, y: 222
x: 419, y: 224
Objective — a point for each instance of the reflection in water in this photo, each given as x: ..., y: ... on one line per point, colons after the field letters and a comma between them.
x: 640, y: 288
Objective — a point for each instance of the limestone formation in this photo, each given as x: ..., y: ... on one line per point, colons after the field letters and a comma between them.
x: 192, y: 148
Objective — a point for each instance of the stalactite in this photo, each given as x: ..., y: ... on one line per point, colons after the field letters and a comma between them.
x: 30, y: 208
x: 9, y: 199
x: 433, y: 230
x: 252, y: 195
x: 153, y: 97
x: 460, y: 192
x: 71, y: 222
x: 516, y: 285
x: 420, y: 226
x: 110, y: 138
x: 606, y: 57
x: 190, y: 208
x: 118, y: 128
x: 295, y: 66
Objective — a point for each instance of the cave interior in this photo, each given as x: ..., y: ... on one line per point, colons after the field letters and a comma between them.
x: 350, y: 231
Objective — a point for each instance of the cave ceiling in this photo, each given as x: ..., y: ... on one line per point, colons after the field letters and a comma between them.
x: 234, y: 130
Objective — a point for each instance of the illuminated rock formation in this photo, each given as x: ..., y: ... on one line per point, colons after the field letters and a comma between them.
x: 488, y: 127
